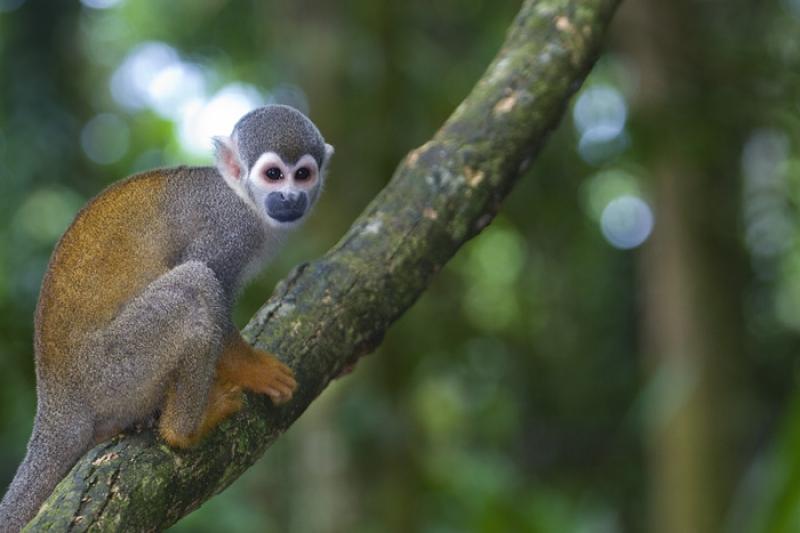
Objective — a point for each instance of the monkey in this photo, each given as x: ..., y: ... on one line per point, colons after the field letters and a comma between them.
x: 134, y: 312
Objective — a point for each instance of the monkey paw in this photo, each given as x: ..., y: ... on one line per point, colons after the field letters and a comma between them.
x: 176, y: 439
x: 274, y: 379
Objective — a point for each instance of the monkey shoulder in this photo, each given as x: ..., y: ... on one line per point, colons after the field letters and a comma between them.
x: 213, y: 224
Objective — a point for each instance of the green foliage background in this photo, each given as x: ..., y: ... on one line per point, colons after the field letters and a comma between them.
x: 520, y: 393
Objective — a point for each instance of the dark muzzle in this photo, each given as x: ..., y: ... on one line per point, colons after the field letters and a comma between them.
x: 286, y: 207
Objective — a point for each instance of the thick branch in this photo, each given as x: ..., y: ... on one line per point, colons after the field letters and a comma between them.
x: 330, y: 312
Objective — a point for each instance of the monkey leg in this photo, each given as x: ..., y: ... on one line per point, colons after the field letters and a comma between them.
x: 240, y: 367
x: 255, y: 370
x: 162, y: 350
x: 225, y: 399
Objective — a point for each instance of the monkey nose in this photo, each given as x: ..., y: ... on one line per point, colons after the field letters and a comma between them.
x: 291, y: 199
x: 286, y: 207
x: 285, y: 197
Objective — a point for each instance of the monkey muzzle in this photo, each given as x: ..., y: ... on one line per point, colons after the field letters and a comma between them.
x: 286, y: 207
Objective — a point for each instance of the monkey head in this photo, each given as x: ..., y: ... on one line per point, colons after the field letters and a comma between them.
x: 276, y: 160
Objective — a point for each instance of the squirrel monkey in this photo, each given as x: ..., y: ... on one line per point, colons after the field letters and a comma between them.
x: 134, y: 315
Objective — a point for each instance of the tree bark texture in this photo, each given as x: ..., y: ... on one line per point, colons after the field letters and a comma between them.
x: 328, y: 313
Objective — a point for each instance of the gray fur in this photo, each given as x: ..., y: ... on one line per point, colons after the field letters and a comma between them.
x: 161, y: 350
x: 165, y: 340
x: 216, y: 227
x: 285, y: 130
x: 61, y: 434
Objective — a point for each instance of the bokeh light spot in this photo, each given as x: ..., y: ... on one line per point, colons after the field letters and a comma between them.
x: 605, y: 186
x: 499, y: 258
x: 600, y: 106
x: 602, y: 143
x: 793, y: 6
x: 763, y: 158
x: 174, y: 87
x: 105, y: 139
x: 626, y: 222
x: 46, y: 213
x: 101, y: 4
x: 131, y: 82
x: 492, y: 268
x: 6, y: 6
x: 767, y: 213
x: 770, y: 233
x: 599, y: 116
x: 202, y: 120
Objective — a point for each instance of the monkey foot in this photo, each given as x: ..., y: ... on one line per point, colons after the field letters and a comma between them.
x: 176, y: 439
x: 274, y: 379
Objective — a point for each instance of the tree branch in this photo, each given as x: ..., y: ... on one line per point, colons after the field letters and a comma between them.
x: 328, y: 313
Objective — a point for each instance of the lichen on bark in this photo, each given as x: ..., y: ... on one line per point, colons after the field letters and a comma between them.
x: 329, y: 312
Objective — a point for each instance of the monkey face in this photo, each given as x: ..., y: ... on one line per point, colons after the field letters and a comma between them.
x: 285, y: 192
x: 281, y: 183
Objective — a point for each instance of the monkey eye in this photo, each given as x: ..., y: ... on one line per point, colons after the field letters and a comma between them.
x: 302, y: 174
x: 274, y: 174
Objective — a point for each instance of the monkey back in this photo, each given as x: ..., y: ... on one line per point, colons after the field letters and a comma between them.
x: 129, y: 235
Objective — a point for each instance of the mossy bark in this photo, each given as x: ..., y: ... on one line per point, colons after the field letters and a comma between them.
x: 330, y: 312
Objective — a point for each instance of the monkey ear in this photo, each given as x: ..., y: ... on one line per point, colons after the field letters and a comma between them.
x: 227, y: 159
x: 325, y: 162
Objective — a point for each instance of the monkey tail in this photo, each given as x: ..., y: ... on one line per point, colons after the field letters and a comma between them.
x: 55, y: 444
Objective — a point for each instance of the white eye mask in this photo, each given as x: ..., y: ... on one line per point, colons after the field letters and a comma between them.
x: 285, y: 201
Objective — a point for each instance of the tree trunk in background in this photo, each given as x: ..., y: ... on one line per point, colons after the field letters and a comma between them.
x: 690, y: 271
x: 689, y: 462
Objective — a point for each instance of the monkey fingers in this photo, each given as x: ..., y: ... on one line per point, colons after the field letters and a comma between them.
x: 273, y: 378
